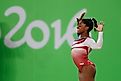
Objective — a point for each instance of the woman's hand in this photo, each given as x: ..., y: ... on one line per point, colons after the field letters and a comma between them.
x: 100, y: 27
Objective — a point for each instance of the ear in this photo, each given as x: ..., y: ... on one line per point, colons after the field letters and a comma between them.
x: 86, y: 27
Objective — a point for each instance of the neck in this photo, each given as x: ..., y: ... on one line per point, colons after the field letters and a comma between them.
x: 84, y: 35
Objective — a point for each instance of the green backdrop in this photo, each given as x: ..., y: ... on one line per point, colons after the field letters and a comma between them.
x: 34, y: 45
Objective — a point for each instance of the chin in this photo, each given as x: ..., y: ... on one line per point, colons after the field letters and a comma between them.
x: 78, y: 31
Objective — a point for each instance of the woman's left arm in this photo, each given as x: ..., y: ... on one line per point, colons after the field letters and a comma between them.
x: 99, y: 43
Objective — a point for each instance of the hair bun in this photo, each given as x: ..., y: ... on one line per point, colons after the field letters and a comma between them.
x: 94, y: 22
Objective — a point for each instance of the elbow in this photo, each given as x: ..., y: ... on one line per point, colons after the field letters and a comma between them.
x: 97, y: 47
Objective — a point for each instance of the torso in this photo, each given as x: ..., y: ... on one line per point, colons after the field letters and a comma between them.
x: 80, y: 45
x: 80, y: 51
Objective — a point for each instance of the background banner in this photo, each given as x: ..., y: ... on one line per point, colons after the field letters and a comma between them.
x: 36, y: 35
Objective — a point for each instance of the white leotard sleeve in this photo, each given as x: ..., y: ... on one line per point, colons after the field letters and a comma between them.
x: 95, y: 45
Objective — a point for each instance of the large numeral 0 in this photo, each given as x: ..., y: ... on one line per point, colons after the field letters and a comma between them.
x: 22, y: 16
x: 30, y: 41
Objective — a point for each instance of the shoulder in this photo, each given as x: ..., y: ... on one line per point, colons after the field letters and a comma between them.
x: 89, y: 39
x: 78, y: 41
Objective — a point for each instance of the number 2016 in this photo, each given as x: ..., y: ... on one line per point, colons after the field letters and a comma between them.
x: 27, y: 38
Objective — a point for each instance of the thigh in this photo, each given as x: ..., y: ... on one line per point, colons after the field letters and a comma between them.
x: 88, y: 73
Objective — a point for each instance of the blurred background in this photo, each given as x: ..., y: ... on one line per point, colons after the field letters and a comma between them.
x: 35, y: 39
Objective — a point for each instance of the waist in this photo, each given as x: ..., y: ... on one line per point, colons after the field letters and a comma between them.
x: 80, y: 53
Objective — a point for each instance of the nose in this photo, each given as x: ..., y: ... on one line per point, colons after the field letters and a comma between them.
x: 77, y: 27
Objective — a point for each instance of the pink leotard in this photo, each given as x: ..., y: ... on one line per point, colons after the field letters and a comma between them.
x: 82, y: 47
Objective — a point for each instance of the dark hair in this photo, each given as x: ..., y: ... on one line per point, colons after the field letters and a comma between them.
x: 90, y: 23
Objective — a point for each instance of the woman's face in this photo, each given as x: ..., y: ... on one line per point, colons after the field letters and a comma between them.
x: 81, y: 27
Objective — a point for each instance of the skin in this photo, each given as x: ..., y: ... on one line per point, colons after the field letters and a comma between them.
x: 88, y: 71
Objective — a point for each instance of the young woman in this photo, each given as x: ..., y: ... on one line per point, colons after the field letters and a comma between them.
x: 82, y: 47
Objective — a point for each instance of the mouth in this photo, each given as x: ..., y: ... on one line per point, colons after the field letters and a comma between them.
x: 77, y: 30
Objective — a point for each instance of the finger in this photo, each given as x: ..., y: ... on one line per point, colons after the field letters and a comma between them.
x: 102, y: 23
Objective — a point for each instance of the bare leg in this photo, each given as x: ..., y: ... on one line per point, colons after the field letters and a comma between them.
x: 87, y: 73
